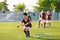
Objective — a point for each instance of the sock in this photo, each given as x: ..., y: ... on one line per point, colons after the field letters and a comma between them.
x: 28, y: 34
x: 39, y: 25
x: 44, y: 24
x: 25, y: 33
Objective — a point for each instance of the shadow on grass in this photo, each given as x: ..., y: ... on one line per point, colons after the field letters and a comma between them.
x: 46, y: 38
x: 55, y: 37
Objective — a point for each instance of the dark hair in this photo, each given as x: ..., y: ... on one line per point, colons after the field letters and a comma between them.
x: 25, y: 14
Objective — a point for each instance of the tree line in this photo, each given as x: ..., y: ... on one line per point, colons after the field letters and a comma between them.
x: 51, y: 5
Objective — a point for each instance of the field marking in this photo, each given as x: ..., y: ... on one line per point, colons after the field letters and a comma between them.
x: 49, y: 34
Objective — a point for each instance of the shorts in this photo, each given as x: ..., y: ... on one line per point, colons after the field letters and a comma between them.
x: 48, y: 21
x: 27, y: 28
x: 44, y: 20
x: 41, y: 21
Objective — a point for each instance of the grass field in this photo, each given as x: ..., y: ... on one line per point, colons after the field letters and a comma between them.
x: 8, y: 31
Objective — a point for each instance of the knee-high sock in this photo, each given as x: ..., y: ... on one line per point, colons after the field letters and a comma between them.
x: 25, y: 32
x: 28, y: 32
x: 44, y: 24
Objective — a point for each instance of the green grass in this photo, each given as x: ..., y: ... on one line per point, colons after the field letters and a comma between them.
x: 8, y: 31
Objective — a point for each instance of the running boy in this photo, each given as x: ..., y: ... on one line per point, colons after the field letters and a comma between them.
x: 26, y: 23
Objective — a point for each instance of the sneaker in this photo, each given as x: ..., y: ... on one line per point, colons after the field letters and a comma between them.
x: 28, y: 36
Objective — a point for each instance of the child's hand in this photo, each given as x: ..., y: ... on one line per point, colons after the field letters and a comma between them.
x: 17, y: 26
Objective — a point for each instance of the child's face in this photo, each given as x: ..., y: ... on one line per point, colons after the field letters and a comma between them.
x: 24, y: 16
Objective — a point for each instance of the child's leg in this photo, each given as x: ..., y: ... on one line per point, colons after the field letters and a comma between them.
x: 49, y: 22
x: 26, y: 31
x: 41, y: 23
x: 38, y: 24
x: 44, y: 23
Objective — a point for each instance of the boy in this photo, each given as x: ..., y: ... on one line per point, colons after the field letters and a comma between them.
x: 44, y: 19
x: 48, y: 18
x: 40, y: 20
x: 26, y: 23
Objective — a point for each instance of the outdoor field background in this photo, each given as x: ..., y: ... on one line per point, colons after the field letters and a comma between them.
x: 9, y: 31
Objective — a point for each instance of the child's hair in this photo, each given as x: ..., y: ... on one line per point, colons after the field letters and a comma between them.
x: 25, y: 13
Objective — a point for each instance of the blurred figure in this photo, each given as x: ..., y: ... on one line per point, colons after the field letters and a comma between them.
x: 42, y: 19
x: 48, y: 18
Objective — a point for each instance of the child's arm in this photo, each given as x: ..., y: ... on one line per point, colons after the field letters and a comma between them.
x: 20, y: 24
x: 26, y: 23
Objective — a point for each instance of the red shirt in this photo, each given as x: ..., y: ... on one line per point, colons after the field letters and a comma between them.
x: 25, y: 21
x: 44, y: 15
x: 49, y: 16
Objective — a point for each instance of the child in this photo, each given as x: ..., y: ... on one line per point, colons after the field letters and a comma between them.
x: 44, y: 19
x: 48, y: 18
x: 40, y: 20
x: 26, y: 23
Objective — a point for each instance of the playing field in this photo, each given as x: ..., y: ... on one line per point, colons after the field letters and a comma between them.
x: 8, y: 31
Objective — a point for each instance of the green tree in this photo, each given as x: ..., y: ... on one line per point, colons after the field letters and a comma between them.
x: 56, y: 7
x: 56, y: 4
x: 48, y: 5
x: 19, y: 7
x: 3, y: 6
x: 43, y: 5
